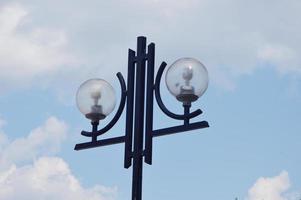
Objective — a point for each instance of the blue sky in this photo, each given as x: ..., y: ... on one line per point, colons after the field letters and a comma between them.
x: 48, y: 48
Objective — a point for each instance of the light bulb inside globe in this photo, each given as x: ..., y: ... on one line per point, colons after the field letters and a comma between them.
x: 96, y: 108
x: 96, y: 95
x: 187, y: 75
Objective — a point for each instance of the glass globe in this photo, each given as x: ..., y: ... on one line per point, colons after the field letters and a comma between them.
x: 96, y: 99
x: 187, y: 79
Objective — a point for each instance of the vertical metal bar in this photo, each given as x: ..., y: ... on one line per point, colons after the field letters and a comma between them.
x: 149, y: 104
x: 94, y: 130
x: 186, y: 106
x: 129, y: 110
x: 139, y: 120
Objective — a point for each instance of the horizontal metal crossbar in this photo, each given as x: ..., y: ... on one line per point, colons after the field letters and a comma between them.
x: 182, y: 128
x: 99, y: 143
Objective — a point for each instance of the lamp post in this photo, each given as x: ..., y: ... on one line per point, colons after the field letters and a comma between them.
x: 186, y: 79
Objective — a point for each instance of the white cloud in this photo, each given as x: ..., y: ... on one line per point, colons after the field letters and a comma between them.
x: 28, y: 53
x: 272, y: 188
x: 44, y: 140
x: 286, y: 59
x: 41, y: 176
x: 48, y: 178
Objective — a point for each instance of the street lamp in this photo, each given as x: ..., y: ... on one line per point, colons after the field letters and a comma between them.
x: 186, y: 79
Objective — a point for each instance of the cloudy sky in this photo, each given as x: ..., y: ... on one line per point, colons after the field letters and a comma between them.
x: 252, y: 52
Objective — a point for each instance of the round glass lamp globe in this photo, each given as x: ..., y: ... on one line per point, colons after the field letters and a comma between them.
x: 96, y: 99
x: 187, y: 79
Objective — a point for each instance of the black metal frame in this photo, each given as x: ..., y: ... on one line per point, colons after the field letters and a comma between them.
x: 135, y: 131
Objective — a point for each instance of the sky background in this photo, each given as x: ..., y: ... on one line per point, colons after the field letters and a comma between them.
x: 250, y: 48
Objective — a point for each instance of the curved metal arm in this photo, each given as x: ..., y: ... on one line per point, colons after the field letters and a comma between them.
x: 160, y: 102
x: 118, y: 113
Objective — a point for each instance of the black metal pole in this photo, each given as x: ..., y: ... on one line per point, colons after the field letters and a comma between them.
x: 149, y: 104
x: 186, y: 106
x: 139, y: 120
x: 129, y: 110
x: 94, y: 130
